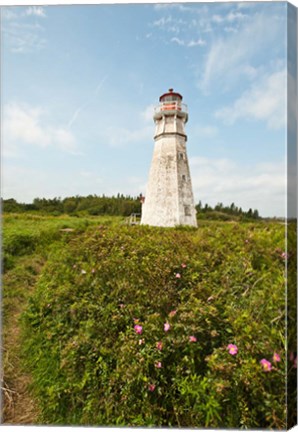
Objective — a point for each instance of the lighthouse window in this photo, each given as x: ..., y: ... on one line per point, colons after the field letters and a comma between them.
x: 180, y: 155
x: 183, y: 177
x: 187, y: 210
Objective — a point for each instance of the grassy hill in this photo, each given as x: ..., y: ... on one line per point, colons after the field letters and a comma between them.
x: 143, y: 326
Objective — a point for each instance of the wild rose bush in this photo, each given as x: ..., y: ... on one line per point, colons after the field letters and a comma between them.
x: 142, y: 326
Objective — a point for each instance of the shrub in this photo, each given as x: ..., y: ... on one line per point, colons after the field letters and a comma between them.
x: 133, y: 326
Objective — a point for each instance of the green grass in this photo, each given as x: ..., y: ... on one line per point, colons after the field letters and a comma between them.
x: 87, y: 362
x: 28, y: 241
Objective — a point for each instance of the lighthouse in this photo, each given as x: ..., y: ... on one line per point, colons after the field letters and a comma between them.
x: 169, y: 198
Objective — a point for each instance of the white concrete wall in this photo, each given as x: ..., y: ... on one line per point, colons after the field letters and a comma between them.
x: 169, y: 198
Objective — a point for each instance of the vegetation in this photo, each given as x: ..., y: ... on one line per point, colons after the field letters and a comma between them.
x: 94, y: 333
x: 91, y: 205
x: 27, y: 241
x: 120, y: 205
x: 224, y: 213
x: 142, y: 326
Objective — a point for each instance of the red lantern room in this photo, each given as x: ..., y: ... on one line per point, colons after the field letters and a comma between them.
x: 171, y: 104
x: 171, y: 96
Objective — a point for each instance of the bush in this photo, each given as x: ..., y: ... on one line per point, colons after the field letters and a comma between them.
x: 131, y: 326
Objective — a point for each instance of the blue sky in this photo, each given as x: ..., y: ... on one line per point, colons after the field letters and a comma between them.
x: 79, y: 84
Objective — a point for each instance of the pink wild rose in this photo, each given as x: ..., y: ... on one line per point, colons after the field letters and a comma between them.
x: 233, y: 349
x: 172, y: 313
x: 276, y: 357
x: 166, y: 327
x: 138, y: 329
x: 158, y: 365
x: 192, y: 339
x: 266, y: 365
x: 178, y: 275
x: 183, y: 265
x: 159, y: 345
x: 151, y: 387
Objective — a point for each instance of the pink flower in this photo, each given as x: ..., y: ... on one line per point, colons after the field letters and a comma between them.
x: 151, y: 387
x: 178, y: 275
x: 183, y: 265
x: 141, y: 341
x: 172, y: 313
x: 266, y: 365
x: 122, y: 305
x: 276, y: 357
x: 284, y: 255
x: 192, y: 339
x: 233, y: 349
x: 158, y: 365
x: 159, y: 345
x: 93, y: 271
x: 138, y: 329
x: 166, y: 327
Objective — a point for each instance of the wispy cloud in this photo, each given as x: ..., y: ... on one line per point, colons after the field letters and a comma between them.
x: 169, y: 24
x: 20, y: 34
x: 36, y: 11
x: 189, y: 44
x: 232, y: 58
x: 204, y: 131
x: 121, y: 137
x: 86, y: 104
x: 265, y: 100
x: 260, y: 186
x: 148, y: 112
x: 230, y: 17
x: 26, y: 125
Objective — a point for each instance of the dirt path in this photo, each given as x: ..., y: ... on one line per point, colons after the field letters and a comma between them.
x: 19, y: 406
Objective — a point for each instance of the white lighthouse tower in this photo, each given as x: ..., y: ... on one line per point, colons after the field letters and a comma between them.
x: 169, y: 198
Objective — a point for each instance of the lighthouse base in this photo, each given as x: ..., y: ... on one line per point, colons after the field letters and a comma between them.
x: 169, y: 199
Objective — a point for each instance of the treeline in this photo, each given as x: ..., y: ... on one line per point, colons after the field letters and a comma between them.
x: 221, y: 212
x: 119, y: 205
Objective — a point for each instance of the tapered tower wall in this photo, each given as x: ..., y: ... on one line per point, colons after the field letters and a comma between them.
x: 169, y: 198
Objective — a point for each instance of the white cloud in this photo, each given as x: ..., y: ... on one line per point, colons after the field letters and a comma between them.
x: 121, y: 137
x: 36, y: 11
x: 26, y: 125
x: 192, y: 43
x: 20, y: 35
x: 231, y: 56
x: 26, y: 183
x: 265, y: 100
x: 198, y: 42
x: 217, y: 19
x: 147, y: 114
x: 233, y: 16
x: 204, y: 131
x: 230, y: 29
x: 178, y: 41
x: 261, y: 186
x: 162, y: 22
